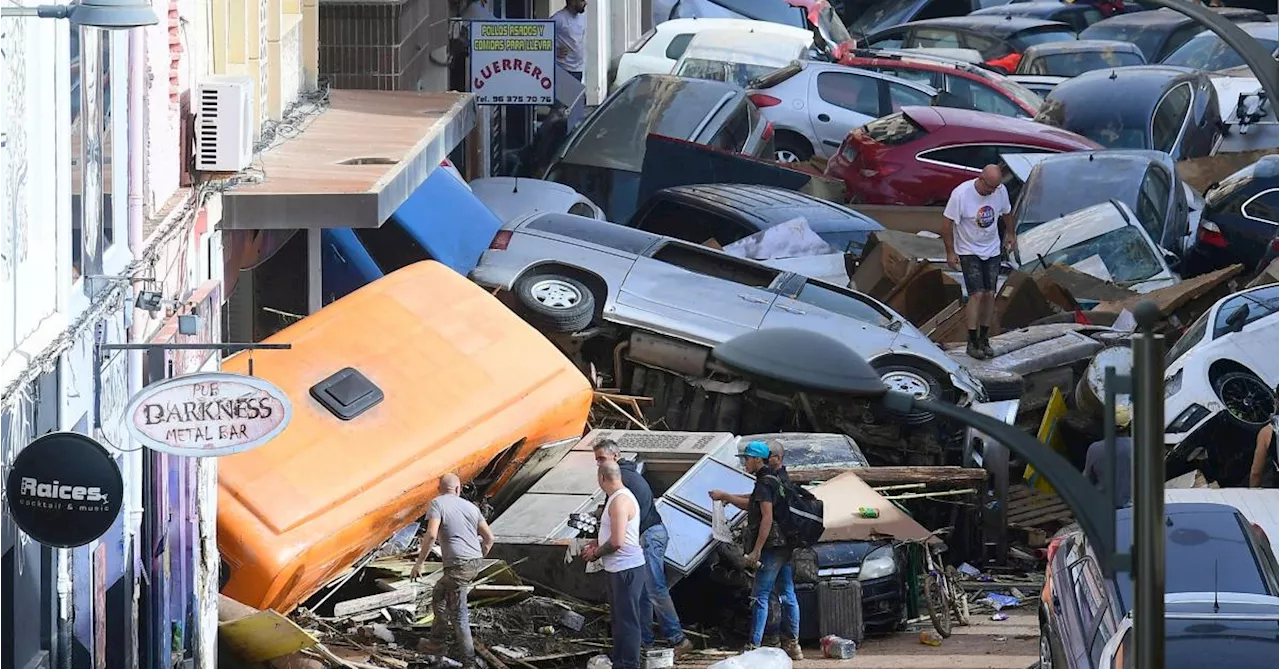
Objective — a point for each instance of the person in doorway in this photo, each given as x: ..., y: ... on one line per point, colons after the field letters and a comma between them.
x: 618, y: 548
x: 973, y: 246
x: 1095, y: 460
x: 653, y: 539
x: 465, y: 538
x: 571, y: 37
x: 767, y: 552
x: 1263, y: 472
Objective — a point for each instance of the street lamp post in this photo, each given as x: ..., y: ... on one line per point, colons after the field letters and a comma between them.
x: 813, y: 361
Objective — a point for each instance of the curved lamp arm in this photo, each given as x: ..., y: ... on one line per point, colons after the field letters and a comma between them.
x: 1096, y: 517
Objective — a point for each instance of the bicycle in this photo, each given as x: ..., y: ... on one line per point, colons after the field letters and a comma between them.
x: 942, y: 592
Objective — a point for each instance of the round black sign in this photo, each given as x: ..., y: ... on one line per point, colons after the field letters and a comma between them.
x: 64, y: 490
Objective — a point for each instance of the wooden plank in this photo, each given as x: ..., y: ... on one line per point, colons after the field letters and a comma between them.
x: 1046, y: 517
x: 378, y: 601
x: 490, y: 658
x: 876, y: 476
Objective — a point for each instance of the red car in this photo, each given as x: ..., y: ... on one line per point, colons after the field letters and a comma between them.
x: 976, y: 88
x: 919, y: 155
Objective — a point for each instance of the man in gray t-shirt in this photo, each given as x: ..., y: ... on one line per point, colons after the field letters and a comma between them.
x: 464, y: 538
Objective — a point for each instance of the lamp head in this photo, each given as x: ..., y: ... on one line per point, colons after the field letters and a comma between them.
x: 801, y: 358
x: 111, y: 14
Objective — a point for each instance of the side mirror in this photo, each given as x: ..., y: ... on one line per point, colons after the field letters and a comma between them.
x: 1236, y: 321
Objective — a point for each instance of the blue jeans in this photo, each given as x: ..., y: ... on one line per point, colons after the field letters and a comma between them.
x: 775, y: 575
x: 654, y: 541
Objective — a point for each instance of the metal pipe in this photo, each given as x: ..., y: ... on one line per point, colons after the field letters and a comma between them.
x: 1148, y: 497
x: 136, y: 470
x: 65, y: 616
x: 42, y: 12
x: 229, y: 346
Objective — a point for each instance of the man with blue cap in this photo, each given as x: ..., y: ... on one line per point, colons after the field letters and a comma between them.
x: 767, y: 551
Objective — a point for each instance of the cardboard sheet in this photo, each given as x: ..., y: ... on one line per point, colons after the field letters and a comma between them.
x: 841, y: 497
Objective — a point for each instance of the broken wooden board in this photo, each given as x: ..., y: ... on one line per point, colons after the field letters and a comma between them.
x: 1081, y: 286
x: 1183, y: 298
x: 1029, y: 508
x: 1200, y: 173
x: 262, y: 636
x: 924, y: 294
x: 882, y: 266
x: 399, y: 595
x: 878, y: 476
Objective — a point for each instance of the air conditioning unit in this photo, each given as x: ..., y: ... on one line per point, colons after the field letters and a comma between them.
x: 224, y: 123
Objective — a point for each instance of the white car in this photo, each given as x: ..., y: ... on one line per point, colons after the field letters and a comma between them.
x: 740, y: 57
x: 813, y: 106
x: 1226, y: 361
x: 1104, y: 240
x: 657, y: 51
x: 512, y: 197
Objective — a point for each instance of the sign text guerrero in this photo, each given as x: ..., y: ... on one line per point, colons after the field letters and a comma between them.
x: 513, y: 62
x: 207, y: 415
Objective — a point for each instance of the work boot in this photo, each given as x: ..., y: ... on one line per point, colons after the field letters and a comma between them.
x: 771, y: 641
x: 792, y: 647
x: 986, y: 348
x: 974, y: 350
x: 681, y: 648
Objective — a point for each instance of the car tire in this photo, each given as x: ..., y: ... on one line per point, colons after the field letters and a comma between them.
x: 919, y: 381
x: 1248, y: 401
x: 1000, y: 385
x: 791, y: 149
x: 1046, y: 647
x: 555, y: 302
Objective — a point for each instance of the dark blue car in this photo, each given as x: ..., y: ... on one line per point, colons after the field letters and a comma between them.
x: 1239, y: 220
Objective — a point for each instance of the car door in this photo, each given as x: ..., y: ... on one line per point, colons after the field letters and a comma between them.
x: 1154, y: 205
x: 817, y: 306
x: 1089, y: 599
x: 1169, y: 120
x: 1259, y: 228
x: 1255, y: 344
x: 895, y: 96
x: 841, y: 100
x: 696, y: 293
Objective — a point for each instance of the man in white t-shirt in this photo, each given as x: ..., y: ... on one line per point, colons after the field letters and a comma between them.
x: 973, y: 246
x: 571, y: 37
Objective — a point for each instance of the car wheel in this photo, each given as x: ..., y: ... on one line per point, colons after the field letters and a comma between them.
x: 916, y: 381
x: 1046, y: 647
x: 789, y: 149
x: 1246, y: 398
x: 556, y: 302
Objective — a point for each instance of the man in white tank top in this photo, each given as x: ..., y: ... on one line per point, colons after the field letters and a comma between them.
x: 618, y: 548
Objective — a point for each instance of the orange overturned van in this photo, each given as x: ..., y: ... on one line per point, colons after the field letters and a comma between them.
x: 414, y: 375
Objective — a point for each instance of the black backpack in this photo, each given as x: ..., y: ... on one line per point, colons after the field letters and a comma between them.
x: 797, y: 513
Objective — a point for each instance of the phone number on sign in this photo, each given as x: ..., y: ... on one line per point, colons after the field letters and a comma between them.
x: 516, y: 99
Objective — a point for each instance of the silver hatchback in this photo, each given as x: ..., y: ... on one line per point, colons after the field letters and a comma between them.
x: 567, y: 272
x: 813, y: 105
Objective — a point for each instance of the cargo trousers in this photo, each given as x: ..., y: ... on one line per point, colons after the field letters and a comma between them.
x: 450, y: 611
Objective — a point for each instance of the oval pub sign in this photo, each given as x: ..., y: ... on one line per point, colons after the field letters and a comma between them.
x: 207, y: 415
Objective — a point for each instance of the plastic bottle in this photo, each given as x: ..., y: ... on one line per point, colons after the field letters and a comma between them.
x: 838, y: 648
x: 600, y: 662
x: 930, y: 638
x: 760, y: 658
x: 868, y: 512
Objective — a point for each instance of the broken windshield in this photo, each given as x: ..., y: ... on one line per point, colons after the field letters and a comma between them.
x: 1097, y: 241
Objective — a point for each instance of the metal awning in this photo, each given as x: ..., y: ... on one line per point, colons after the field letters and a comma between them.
x: 354, y: 164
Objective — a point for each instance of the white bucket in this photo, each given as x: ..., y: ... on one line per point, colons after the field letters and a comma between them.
x: 660, y: 658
